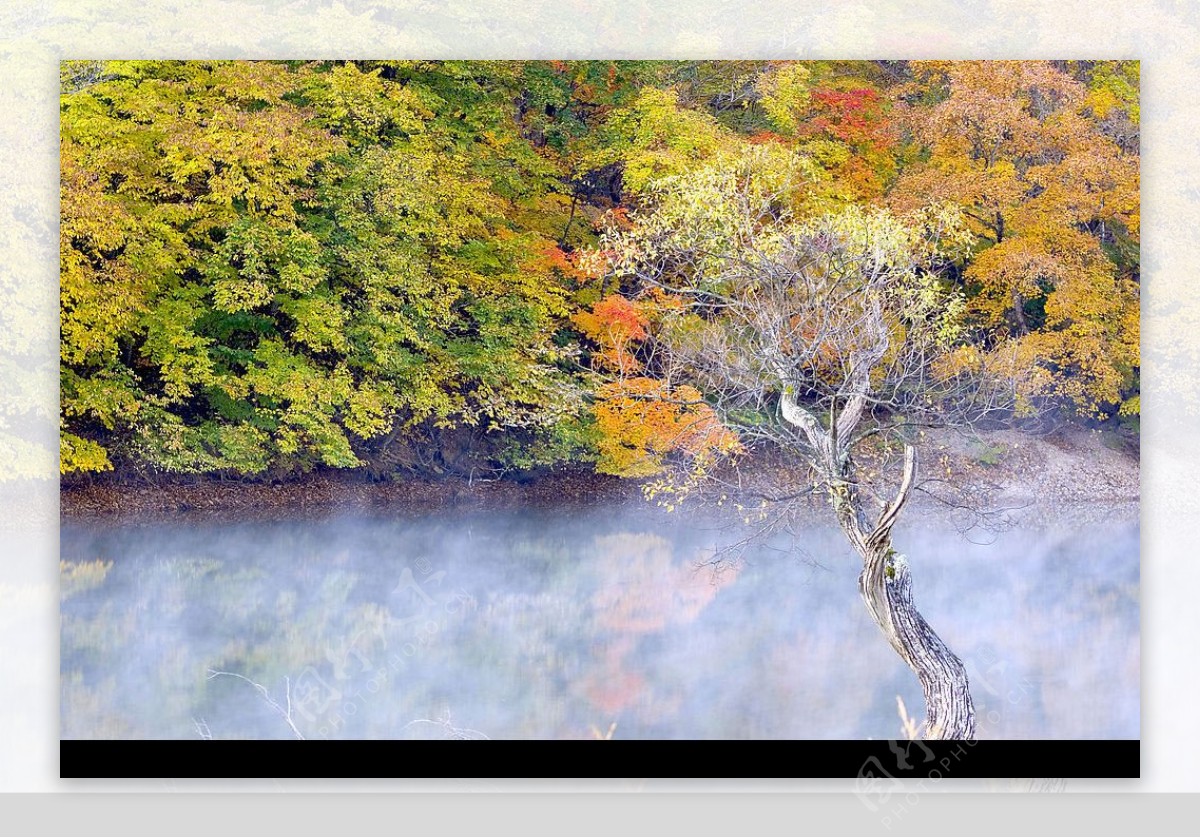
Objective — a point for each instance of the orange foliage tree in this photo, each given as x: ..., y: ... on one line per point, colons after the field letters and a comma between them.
x: 642, y: 420
x: 1053, y: 199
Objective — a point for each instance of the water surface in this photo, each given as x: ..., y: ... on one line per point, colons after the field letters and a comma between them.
x: 552, y: 625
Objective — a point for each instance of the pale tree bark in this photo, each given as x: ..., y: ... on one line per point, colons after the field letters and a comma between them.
x: 885, y: 582
x: 886, y: 587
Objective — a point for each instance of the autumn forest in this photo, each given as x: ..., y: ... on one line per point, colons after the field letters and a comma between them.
x: 426, y: 268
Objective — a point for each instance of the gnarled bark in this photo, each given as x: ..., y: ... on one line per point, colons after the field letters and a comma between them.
x: 886, y: 587
x: 886, y: 582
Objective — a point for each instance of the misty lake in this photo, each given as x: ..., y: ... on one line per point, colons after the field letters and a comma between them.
x: 545, y: 624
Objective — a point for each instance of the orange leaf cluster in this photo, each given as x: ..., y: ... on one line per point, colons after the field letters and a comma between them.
x: 642, y: 421
x: 613, y: 324
x: 856, y: 117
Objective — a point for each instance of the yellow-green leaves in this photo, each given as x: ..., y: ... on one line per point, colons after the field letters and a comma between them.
x: 712, y: 212
x: 78, y: 454
x: 785, y: 95
x: 362, y: 108
x: 654, y: 138
x: 182, y: 188
x: 258, y: 259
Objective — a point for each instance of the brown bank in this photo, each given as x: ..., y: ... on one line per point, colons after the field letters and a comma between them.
x: 1039, y: 475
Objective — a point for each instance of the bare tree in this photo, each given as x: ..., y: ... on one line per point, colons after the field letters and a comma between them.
x: 820, y: 333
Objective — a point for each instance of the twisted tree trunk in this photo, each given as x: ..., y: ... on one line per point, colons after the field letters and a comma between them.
x: 886, y: 587
x: 885, y: 582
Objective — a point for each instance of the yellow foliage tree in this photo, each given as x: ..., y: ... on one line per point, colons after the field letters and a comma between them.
x: 1017, y: 144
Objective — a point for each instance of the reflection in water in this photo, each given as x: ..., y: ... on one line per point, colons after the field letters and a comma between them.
x: 534, y: 625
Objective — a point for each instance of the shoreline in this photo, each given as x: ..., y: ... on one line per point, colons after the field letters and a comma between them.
x: 1036, y: 475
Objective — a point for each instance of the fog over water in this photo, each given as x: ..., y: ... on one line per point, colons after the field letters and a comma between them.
x: 548, y: 624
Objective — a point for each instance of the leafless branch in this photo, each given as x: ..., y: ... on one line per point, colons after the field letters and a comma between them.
x: 450, y: 731
x: 284, y: 712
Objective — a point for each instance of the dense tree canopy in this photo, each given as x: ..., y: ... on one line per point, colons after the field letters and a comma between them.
x: 277, y: 266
